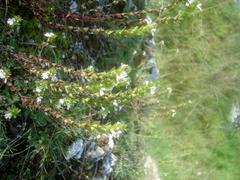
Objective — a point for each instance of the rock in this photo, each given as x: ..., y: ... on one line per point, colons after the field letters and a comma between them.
x: 150, y: 169
x: 235, y: 116
x: 75, y: 150
x: 73, y: 6
x: 95, y: 155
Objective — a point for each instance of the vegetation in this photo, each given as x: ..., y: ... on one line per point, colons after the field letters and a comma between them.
x: 189, y: 132
x: 67, y: 85
x: 78, y: 96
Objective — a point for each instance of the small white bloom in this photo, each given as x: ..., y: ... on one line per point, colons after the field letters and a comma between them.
x: 38, y: 89
x: 199, y: 6
x: 116, y: 134
x: 39, y: 99
x: 64, y: 35
x: 153, y: 31
x: 123, y: 65
x: 101, y: 91
x: 148, y: 19
x: 49, y: 34
x: 115, y: 103
x: 153, y: 90
x: 189, y: 101
x: 122, y: 76
x: 98, y: 136
x: 69, y: 106
x: 189, y: 2
x: 11, y: 21
x: 173, y: 112
x: 110, y: 142
x: 45, y: 75
x: 144, y: 53
x: 2, y: 74
x: 134, y: 52
x: 54, y: 78
x: 8, y: 115
x: 61, y: 101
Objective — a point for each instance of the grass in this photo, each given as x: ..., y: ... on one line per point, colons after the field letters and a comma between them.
x: 200, y: 62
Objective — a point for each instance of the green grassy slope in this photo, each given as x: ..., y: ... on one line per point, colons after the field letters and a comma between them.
x: 200, y: 61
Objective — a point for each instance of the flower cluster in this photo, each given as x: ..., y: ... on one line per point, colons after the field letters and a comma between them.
x: 3, y: 75
x: 190, y: 2
x: 14, y: 21
x: 107, y: 140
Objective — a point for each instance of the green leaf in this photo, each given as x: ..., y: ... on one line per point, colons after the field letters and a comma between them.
x: 40, y: 118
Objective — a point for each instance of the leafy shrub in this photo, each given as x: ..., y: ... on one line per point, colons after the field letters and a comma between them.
x: 65, y: 85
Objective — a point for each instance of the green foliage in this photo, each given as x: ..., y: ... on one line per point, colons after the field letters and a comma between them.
x: 65, y: 76
x: 52, y: 94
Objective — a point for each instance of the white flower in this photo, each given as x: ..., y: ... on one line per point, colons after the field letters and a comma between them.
x: 69, y: 106
x: 8, y: 115
x: 153, y: 31
x: 122, y: 76
x: 116, y: 134
x: 144, y: 53
x: 2, y: 74
x: 189, y: 2
x: 153, y: 90
x: 199, y: 6
x: 11, y: 21
x: 189, y: 101
x: 64, y: 35
x: 49, y: 34
x: 173, y: 112
x: 38, y: 89
x: 45, y: 75
x: 134, y: 52
x: 54, y: 78
x: 61, y: 101
x: 123, y: 65
x: 115, y: 103
x: 101, y: 91
x: 98, y: 136
x: 148, y: 20
x: 39, y: 99
x: 110, y: 142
